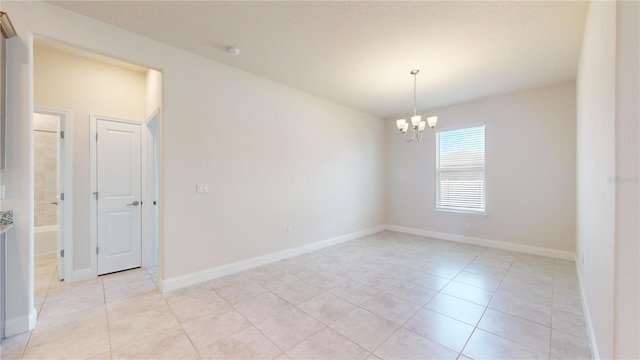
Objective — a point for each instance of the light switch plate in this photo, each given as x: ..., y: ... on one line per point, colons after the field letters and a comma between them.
x: 202, y: 188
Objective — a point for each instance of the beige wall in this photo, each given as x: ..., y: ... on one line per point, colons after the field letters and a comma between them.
x: 154, y: 91
x: 607, y: 194
x: 85, y: 86
x: 273, y: 156
x: 530, y: 171
x: 596, y: 164
x: 627, y: 262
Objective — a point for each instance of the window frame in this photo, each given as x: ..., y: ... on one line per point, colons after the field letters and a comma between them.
x: 461, y: 210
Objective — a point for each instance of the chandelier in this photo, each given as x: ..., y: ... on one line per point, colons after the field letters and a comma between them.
x: 417, y: 124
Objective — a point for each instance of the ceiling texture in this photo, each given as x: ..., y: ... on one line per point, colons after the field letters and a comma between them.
x: 360, y: 53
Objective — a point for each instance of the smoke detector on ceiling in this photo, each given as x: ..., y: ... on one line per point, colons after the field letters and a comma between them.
x: 233, y: 50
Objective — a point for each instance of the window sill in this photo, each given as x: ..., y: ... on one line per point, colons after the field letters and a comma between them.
x: 462, y: 212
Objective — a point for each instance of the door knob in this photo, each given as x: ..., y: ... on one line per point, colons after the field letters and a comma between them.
x: 54, y: 203
x: 135, y: 203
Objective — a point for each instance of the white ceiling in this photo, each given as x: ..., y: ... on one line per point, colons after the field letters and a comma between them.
x: 359, y: 53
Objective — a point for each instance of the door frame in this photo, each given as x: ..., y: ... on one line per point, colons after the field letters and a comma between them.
x: 150, y: 243
x: 93, y: 180
x: 65, y: 227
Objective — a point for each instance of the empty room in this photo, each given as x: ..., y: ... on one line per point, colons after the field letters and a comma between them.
x: 320, y: 180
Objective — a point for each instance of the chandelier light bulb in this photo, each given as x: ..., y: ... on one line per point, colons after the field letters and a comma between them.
x: 415, y: 120
x: 432, y: 121
x: 400, y: 123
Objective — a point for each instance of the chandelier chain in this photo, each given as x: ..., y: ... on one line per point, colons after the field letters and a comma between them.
x: 415, y: 77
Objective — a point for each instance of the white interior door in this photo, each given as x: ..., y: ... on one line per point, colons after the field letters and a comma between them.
x: 118, y: 165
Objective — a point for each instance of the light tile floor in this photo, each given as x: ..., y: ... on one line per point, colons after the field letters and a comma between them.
x: 386, y: 296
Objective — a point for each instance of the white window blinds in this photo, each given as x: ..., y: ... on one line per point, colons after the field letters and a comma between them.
x: 460, y: 172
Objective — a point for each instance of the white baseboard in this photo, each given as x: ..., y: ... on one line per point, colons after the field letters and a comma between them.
x: 50, y: 254
x: 595, y: 354
x: 181, y: 281
x: 20, y: 324
x: 81, y: 275
x: 527, y: 249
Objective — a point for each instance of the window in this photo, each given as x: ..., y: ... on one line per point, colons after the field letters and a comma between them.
x: 460, y: 170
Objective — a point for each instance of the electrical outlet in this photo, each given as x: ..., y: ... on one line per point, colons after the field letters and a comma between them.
x: 468, y: 225
x: 582, y: 258
x: 202, y: 188
x: 289, y: 229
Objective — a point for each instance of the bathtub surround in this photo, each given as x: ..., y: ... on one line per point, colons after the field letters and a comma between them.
x: 45, y: 183
x: 45, y: 177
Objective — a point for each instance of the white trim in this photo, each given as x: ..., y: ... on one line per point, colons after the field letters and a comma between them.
x: 66, y: 159
x: 587, y: 314
x: 527, y: 249
x: 40, y: 229
x: 461, y: 212
x: 83, y: 274
x: 50, y: 254
x: 93, y: 205
x: 181, y: 281
x: 149, y: 224
x: 21, y: 324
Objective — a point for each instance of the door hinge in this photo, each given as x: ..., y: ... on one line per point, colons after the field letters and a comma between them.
x: 155, y: 202
x: 62, y: 253
x: 96, y: 194
x: 61, y: 134
x: 97, y: 250
x: 61, y: 196
x: 96, y: 136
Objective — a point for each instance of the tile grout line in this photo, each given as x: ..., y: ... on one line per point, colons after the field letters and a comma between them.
x: 497, y: 310
x: 124, y: 299
x: 485, y: 308
x: 106, y: 314
x: 460, y: 353
x: 553, y: 301
x: 180, y: 323
x: 249, y: 321
x: 26, y: 345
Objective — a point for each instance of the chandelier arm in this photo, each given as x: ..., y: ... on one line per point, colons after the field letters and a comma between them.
x: 421, y: 137
x: 413, y: 136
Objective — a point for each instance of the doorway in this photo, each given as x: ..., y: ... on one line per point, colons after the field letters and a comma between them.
x: 94, y: 84
x: 52, y: 178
